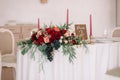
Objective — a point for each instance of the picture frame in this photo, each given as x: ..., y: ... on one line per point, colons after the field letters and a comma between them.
x: 81, y: 32
x: 43, y: 1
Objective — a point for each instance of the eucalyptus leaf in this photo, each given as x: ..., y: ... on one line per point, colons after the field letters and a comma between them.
x: 25, y: 50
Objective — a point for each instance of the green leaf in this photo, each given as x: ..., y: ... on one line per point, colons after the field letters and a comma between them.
x: 70, y: 51
x: 33, y: 50
x: 25, y: 50
x: 42, y: 48
x: 84, y: 44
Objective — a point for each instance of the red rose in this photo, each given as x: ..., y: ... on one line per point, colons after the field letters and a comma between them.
x: 33, y: 37
x: 48, y: 30
x: 57, y: 35
x: 73, y: 42
x: 40, y: 40
x: 54, y: 33
x: 52, y: 37
x: 63, y: 31
x: 51, y: 33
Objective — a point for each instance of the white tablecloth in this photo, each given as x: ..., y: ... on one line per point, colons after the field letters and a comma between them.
x: 89, y: 65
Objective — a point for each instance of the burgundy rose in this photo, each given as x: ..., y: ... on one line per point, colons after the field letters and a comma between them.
x: 54, y: 34
x: 57, y: 35
x: 72, y: 34
x: 33, y: 37
x: 48, y: 30
x: 52, y: 37
x: 73, y: 42
x: 63, y: 31
x: 51, y: 33
x: 40, y: 40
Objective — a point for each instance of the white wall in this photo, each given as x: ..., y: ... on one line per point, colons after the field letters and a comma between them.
x: 27, y: 11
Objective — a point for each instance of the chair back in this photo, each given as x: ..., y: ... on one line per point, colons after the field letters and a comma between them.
x: 116, y: 32
x: 0, y: 66
x: 6, y: 41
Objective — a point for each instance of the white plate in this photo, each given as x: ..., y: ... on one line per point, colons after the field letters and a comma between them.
x: 103, y: 40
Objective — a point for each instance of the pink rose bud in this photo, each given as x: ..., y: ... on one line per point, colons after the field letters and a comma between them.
x: 46, y: 39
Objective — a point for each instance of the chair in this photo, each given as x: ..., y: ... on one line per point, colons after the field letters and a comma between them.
x: 116, y: 32
x: 8, y: 58
x: 0, y: 65
x: 113, y: 74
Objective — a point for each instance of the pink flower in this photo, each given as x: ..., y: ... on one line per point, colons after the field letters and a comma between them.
x: 67, y: 34
x: 56, y: 29
x: 46, y: 39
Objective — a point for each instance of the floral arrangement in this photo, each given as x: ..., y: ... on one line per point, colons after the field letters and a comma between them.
x: 52, y: 38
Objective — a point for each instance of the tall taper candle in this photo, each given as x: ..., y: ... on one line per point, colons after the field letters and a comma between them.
x: 38, y: 23
x: 90, y: 25
x: 67, y: 18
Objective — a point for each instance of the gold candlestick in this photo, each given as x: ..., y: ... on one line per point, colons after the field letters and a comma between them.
x: 90, y: 37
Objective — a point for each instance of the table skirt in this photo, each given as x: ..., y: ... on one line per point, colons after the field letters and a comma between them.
x: 90, y: 64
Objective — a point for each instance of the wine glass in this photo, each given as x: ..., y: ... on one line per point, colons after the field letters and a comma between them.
x: 105, y: 33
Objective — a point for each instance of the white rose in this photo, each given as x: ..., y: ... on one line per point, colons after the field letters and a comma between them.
x: 61, y: 37
x: 65, y: 41
x: 60, y: 40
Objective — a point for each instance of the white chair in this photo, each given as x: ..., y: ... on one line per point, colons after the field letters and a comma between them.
x: 116, y: 32
x: 0, y: 66
x: 8, y: 57
x: 113, y: 74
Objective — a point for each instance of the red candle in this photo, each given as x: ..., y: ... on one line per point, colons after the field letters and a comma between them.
x: 90, y: 25
x: 67, y: 18
x: 38, y: 23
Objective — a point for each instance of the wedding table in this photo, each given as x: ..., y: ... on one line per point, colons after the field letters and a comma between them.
x: 89, y: 64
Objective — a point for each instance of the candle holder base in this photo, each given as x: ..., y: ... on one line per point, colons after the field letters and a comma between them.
x: 90, y: 40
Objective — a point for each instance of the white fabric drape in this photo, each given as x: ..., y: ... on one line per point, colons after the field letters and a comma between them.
x: 89, y: 64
